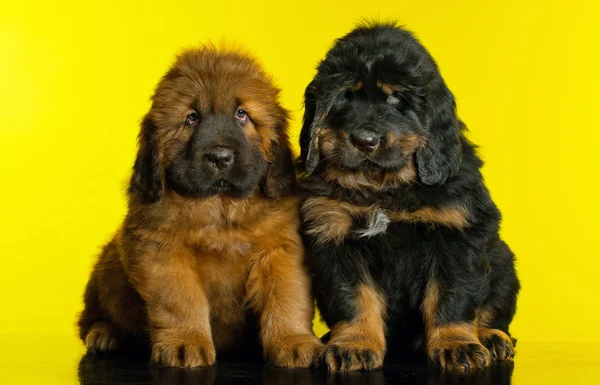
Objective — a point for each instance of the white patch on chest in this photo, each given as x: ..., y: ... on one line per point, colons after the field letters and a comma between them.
x: 378, y: 224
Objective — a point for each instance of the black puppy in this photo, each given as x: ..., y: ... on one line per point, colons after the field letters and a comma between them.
x: 401, y: 231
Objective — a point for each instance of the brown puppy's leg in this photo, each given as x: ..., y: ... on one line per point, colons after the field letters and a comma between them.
x: 451, y: 345
x: 359, y: 344
x: 178, y: 311
x: 95, y: 329
x: 279, y: 290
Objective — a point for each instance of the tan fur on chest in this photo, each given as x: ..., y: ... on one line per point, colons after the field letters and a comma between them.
x: 218, y: 224
x: 219, y: 232
x: 224, y: 282
x: 224, y: 238
x: 331, y: 220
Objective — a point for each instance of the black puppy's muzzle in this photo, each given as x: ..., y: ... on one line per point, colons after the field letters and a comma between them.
x: 365, y: 140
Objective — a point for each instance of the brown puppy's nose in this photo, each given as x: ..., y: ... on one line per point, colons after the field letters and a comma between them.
x: 220, y: 157
x: 366, y: 141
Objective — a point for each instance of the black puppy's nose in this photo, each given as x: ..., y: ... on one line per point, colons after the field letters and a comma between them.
x: 366, y: 141
x: 221, y: 157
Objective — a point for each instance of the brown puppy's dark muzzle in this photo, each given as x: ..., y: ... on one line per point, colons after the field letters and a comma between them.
x: 220, y: 157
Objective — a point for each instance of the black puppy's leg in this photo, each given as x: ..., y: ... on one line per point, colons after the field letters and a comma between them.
x: 348, y: 298
x: 448, y: 308
x: 358, y: 342
x: 498, y: 309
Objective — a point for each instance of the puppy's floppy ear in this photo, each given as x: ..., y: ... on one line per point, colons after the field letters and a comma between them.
x: 146, y: 181
x: 309, y: 154
x: 441, y: 157
x: 315, y: 111
x: 280, y: 178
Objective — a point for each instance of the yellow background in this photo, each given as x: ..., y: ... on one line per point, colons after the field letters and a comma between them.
x: 75, y: 78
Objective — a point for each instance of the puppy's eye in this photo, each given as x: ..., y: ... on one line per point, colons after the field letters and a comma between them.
x: 395, y: 97
x: 349, y: 95
x: 241, y: 115
x: 192, y: 118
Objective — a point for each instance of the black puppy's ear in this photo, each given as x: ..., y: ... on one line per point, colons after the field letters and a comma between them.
x: 280, y: 178
x: 309, y: 151
x: 146, y: 181
x: 441, y: 157
x: 316, y: 109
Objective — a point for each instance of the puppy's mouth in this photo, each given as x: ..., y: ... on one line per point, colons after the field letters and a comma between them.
x: 219, y: 186
x: 223, y: 185
x: 374, y: 163
x: 369, y: 164
x: 341, y: 151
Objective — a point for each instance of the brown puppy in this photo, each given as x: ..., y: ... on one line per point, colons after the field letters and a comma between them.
x: 210, y: 244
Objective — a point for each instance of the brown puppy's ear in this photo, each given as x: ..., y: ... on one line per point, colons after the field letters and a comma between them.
x: 146, y: 181
x: 280, y: 178
x: 442, y: 155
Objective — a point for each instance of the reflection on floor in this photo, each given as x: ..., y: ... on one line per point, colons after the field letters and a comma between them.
x: 100, y: 371
x: 57, y: 360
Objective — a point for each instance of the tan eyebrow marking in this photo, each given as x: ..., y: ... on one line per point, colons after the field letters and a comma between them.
x: 355, y: 87
x: 389, y: 88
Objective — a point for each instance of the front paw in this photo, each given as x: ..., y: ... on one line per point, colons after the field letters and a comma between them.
x: 101, y: 337
x: 173, y: 349
x: 352, y: 355
x: 500, y: 345
x: 294, y: 352
x: 459, y: 356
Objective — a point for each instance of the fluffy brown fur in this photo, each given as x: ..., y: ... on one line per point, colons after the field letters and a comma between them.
x: 207, y: 249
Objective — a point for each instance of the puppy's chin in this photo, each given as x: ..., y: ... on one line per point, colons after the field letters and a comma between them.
x: 370, y: 174
x: 225, y: 187
x: 352, y: 162
x: 220, y: 186
x: 238, y: 183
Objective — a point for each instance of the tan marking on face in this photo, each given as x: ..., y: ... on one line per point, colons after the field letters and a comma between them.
x: 327, y: 141
x: 355, y: 87
x: 330, y: 142
x: 376, y: 180
x: 389, y: 89
x: 407, y: 142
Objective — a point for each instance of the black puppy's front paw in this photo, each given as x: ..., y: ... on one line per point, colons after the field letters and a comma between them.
x: 459, y: 356
x: 351, y: 356
x: 500, y: 345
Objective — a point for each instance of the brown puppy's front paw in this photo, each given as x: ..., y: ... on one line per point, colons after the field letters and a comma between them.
x: 351, y: 356
x: 297, y: 351
x: 499, y: 344
x: 101, y: 338
x: 460, y: 356
x: 182, y: 351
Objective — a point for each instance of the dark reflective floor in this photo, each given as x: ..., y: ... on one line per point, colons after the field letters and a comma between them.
x: 94, y: 370
x: 50, y: 360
